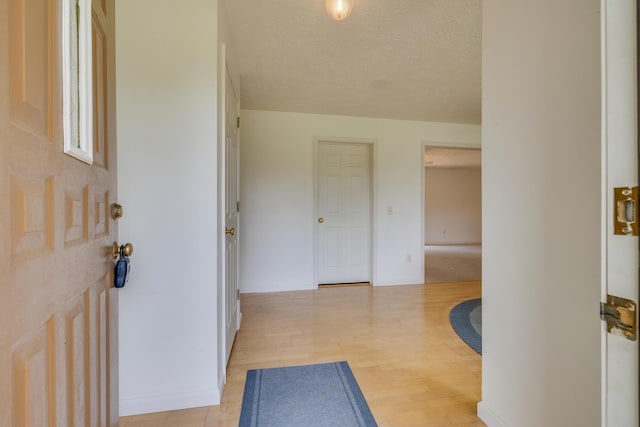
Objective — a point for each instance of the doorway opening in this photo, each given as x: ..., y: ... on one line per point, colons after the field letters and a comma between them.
x: 452, y: 214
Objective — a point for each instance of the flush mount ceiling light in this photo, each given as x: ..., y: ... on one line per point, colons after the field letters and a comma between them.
x: 339, y: 9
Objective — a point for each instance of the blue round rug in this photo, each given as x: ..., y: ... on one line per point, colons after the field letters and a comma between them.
x: 466, y: 320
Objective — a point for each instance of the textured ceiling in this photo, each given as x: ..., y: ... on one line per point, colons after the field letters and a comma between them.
x: 401, y: 59
x: 440, y: 157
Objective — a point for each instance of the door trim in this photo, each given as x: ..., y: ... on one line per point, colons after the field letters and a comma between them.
x: 638, y: 140
x: 221, y: 332
x: 423, y: 147
x: 638, y: 148
x: 372, y: 202
x: 224, y: 71
x: 614, y: 118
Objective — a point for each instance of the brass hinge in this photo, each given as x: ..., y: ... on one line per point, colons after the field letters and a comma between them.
x: 238, y: 122
x: 238, y: 293
x: 625, y: 211
x: 620, y: 315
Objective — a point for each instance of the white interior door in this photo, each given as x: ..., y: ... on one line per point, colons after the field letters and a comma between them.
x: 620, y: 115
x: 344, y: 212
x: 232, y: 298
x: 58, y: 309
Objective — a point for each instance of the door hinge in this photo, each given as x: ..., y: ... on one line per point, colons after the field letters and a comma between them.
x: 238, y: 122
x: 620, y: 315
x: 625, y: 211
x: 238, y: 293
x: 237, y: 206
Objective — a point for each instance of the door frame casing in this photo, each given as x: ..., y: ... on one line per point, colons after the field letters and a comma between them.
x: 223, y: 72
x: 423, y: 147
x: 619, y: 255
x: 372, y: 143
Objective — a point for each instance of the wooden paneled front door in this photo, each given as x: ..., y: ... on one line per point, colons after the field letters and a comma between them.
x: 58, y: 309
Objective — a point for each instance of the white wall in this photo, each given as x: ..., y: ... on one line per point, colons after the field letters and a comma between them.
x: 276, y: 203
x: 453, y: 206
x: 166, y: 112
x: 541, y: 213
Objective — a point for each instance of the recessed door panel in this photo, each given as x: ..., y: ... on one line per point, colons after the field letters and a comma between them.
x: 34, y: 377
x: 31, y: 64
x: 78, y: 354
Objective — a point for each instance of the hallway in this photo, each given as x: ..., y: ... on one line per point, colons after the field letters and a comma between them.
x: 409, y: 363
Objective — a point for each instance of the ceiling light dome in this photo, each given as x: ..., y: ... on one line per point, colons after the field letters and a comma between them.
x: 339, y: 9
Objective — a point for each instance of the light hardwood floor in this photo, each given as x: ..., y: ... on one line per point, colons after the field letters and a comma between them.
x: 452, y: 263
x: 411, y: 366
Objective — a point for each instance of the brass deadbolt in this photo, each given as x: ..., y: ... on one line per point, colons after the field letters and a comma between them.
x: 116, y: 211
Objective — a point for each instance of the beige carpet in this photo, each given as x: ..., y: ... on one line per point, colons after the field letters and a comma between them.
x: 452, y: 263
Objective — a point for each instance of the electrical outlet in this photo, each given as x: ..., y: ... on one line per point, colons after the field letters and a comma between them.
x: 408, y: 258
x: 389, y: 210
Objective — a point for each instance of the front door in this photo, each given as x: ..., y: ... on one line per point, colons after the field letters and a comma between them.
x: 232, y: 300
x: 58, y: 309
x: 344, y: 212
x: 620, y: 116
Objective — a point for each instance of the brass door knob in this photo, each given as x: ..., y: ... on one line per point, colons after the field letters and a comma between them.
x: 230, y: 231
x: 127, y: 249
x: 320, y: 220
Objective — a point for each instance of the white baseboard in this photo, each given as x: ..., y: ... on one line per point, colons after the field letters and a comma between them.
x: 401, y: 283
x: 453, y: 243
x: 222, y: 383
x: 489, y: 417
x: 168, y: 402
